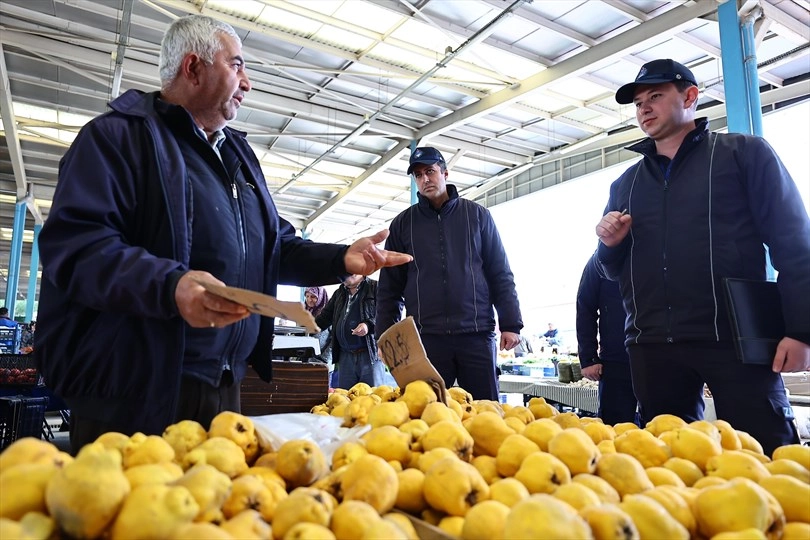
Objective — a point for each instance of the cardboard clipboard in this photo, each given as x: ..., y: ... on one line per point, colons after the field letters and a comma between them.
x: 404, y: 354
x: 265, y: 305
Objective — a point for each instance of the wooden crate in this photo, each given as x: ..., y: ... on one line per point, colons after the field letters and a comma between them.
x: 296, y: 387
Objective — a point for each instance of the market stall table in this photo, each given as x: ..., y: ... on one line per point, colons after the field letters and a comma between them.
x: 584, y: 398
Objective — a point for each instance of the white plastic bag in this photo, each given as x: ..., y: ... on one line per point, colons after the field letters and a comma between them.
x: 325, y: 431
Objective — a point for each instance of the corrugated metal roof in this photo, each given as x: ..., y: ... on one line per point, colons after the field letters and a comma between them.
x: 342, y: 87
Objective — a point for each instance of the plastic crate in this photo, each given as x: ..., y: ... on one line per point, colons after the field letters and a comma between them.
x: 19, y: 370
x: 10, y: 340
x: 21, y: 417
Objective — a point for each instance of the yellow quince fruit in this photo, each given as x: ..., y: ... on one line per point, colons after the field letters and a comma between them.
x: 73, y: 493
x: 454, y: 486
x: 543, y: 516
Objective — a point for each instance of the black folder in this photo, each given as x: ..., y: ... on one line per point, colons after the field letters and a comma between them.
x: 757, y: 323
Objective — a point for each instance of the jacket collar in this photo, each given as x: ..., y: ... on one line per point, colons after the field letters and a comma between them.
x: 452, y: 192
x: 646, y: 147
x: 138, y: 103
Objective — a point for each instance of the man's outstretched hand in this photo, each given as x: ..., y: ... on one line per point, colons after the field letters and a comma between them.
x: 364, y: 257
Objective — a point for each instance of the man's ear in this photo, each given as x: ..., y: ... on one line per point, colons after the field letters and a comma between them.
x: 692, y: 95
x: 191, y: 67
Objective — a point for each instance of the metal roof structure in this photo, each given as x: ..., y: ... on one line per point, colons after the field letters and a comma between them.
x: 517, y: 94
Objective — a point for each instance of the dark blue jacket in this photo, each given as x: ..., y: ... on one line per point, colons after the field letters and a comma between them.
x: 459, y: 271
x: 697, y: 219
x: 599, y: 312
x: 109, y: 338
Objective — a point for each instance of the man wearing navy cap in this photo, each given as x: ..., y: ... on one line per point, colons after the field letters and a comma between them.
x: 458, y: 273
x: 696, y: 209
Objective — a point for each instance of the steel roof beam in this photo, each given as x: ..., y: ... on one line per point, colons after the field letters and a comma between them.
x: 668, y: 23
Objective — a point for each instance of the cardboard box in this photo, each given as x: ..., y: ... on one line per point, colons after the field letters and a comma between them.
x: 424, y: 530
x: 403, y: 353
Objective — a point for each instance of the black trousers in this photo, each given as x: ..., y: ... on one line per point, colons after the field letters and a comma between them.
x: 198, y: 401
x: 617, y: 402
x: 466, y: 358
x: 669, y: 378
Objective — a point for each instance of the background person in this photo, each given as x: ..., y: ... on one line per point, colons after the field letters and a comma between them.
x: 5, y: 320
x: 459, y: 272
x: 552, y: 336
x: 699, y: 207
x: 315, y: 299
x: 523, y: 348
x: 351, y: 313
x: 153, y: 197
x: 600, y: 339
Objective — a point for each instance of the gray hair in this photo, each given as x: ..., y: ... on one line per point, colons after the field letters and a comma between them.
x: 196, y: 34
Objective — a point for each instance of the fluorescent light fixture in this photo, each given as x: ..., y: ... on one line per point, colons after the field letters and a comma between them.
x: 584, y: 142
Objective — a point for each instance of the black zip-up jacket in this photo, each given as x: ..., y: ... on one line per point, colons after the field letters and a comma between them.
x: 600, y: 311
x: 109, y: 338
x: 697, y: 219
x: 334, y: 312
x: 458, y: 273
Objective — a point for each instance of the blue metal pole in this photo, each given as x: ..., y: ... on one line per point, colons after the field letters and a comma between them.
x: 754, y: 101
x: 734, y: 83
x: 15, y: 257
x: 32, y: 276
x: 752, y: 76
x: 741, y: 81
x: 414, y: 189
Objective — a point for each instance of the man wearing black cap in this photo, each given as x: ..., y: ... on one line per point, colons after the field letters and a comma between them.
x: 696, y: 209
x: 459, y: 272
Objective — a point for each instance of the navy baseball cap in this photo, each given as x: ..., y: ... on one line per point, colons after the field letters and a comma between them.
x: 425, y: 155
x: 655, y: 72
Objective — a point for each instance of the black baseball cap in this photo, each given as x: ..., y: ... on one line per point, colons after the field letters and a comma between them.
x: 655, y: 72
x: 425, y: 155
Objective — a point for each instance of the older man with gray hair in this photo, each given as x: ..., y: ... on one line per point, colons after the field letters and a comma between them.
x: 155, y: 197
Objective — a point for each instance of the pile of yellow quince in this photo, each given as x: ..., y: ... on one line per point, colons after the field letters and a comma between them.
x: 476, y: 469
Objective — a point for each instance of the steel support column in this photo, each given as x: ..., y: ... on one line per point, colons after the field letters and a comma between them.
x: 749, y: 41
x: 32, y: 276
x: 414, y: 189
x: 734, y: 83
x: 14, y: 257
x: 741, y: 80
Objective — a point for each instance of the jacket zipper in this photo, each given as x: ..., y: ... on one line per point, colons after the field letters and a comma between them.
x: 667, y: 173
x: 443, y: 254
x: 239, y: 215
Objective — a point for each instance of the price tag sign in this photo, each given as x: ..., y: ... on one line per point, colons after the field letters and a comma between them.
x: 265, y: 305
x: 403, y: 353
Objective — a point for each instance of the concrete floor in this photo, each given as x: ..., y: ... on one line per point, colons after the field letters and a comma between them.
x: 61, y: 439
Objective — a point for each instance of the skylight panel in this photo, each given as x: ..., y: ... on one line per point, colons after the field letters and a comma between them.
x: 578, y: 89
x: 511, y: 65
x: 400, y: 57
x: 34, y: 113
x: 343, y: 39
x: 244, y: 9
x: 291, y: 22
x: 366, y: 15
x: 428, y: 37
